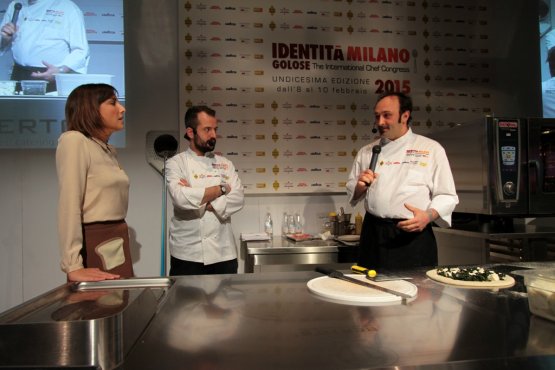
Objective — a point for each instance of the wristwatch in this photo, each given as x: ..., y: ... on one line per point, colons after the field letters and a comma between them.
x: 223, y: 189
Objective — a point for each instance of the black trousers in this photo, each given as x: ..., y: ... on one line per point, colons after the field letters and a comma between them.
x: 182, y: 267
x: 383, y: 245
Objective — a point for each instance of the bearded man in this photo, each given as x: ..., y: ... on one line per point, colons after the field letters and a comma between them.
x: 409, y: 187
x: 205, y: 191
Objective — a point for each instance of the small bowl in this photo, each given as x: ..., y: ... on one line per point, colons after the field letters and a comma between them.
x: 7, y: 88
x: 33, y: 87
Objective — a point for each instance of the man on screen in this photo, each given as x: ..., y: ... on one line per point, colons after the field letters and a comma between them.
x: 46, y: 37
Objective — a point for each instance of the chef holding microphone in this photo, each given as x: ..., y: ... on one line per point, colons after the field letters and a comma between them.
x: 46, y: 37
x: 406, y: 184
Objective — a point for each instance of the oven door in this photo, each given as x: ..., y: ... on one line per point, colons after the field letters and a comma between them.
x: 541, y: 163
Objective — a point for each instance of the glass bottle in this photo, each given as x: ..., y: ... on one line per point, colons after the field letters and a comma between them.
x: 269, y: 225
x: 358, y: 224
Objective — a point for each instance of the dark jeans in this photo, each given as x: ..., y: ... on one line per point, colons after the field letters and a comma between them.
x: 181, y: 267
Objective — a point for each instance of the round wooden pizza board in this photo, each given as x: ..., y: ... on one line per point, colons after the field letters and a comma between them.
x: 508, y: 282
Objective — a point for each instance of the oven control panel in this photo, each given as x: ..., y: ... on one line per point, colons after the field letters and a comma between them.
x: 508, y: 155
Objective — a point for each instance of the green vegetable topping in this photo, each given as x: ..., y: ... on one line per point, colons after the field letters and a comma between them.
x: 470, y: 274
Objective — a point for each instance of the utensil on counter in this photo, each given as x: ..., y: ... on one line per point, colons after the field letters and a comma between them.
x: 374, y: 276
x: 339, y: 275
x: 343, y: 221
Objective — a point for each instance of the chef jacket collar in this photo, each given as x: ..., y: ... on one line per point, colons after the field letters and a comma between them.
x: 209, y: 155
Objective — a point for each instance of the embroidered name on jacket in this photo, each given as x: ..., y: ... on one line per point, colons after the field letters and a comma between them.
x: 417, y: 153
x: 220, y: 166
x: 204, y: 176
x: 412, y: 157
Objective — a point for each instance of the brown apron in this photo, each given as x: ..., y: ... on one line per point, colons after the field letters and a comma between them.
x: 106, y: 246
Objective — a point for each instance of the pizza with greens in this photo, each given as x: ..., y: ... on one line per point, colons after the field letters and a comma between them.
x: 478, y: 277
x: 470, y: 274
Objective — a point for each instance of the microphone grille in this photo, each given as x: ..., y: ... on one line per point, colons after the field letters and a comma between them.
x: 376, y: 149
x: 165, y: 145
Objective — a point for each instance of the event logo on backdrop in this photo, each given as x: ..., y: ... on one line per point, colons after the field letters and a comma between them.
x: 294, y: 83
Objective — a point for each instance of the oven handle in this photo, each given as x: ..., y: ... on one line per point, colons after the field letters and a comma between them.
x: 539, y: 174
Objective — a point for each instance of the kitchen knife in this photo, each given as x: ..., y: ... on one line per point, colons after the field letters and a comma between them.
x: 374, y: 276
x: 339, y: 275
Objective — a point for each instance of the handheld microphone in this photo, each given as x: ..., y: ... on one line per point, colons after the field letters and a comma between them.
x: 17, y: 8
x: 376, y: 149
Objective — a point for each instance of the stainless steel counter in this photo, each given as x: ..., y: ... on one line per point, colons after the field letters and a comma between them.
x: 282, y: 254
x: 272, y: 321
x: 86, y: 325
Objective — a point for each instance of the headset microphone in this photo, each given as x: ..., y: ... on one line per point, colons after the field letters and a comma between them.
x: 374, y: 129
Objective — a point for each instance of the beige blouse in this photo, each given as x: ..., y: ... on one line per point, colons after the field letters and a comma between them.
x: 93, y: 187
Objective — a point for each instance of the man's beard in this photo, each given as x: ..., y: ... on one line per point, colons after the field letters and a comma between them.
x: 204, y: 146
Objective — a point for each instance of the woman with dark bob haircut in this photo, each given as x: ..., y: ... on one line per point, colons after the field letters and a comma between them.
x: 94, y: 189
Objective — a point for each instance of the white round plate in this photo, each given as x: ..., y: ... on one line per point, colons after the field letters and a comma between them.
x: 349, y: 238
x: 341, y: 291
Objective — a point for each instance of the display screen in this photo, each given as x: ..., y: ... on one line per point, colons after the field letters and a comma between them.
x: 31, y: 111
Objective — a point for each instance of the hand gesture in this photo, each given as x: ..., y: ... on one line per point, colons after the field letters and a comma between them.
x: 417, y: 223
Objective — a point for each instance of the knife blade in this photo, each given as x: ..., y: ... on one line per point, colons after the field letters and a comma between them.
x: 374, y: 276
x: 339, y: 275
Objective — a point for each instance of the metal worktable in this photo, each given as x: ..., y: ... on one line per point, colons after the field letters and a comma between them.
x: 271, y: 321
x: 283, y: 254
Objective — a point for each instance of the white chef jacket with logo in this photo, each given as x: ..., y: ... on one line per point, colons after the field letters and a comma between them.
x: 412, y: 169
x: 195, y: 234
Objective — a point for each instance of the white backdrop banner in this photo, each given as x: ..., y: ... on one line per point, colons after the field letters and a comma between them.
x: 294, y: 83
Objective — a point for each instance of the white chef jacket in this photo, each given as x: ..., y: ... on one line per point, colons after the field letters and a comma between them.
x: 51, y: 31
x: 195, y: 234
x: 412, y: 169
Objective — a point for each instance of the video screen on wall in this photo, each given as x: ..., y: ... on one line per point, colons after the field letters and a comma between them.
x: 54, y: 47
